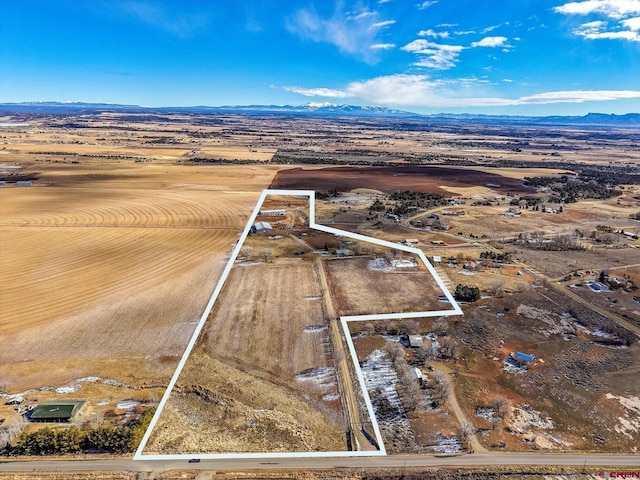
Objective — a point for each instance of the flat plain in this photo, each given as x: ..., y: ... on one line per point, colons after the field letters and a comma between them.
x: 108, y: 259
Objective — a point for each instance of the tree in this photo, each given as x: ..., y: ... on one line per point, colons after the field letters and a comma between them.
x: 409, y: 327
x: 246, y: 252
x: 496, y: 288
x: 426, y: 352
x: 501, y: 406
x: 266, y: 255
x: 449, y: 348
x: 441, y: 326
x: 465, y: 431
x: 368, y: 329
x: 466, y: 293
x: 441, y: 385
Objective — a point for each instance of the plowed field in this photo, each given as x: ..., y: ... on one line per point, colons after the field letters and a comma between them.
x: 392, y: 179
x: 113, y: 260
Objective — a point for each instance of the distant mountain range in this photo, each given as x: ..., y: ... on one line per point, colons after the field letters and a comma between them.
x: 322, y: 109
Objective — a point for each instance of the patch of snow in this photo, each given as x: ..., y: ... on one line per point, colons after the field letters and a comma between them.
x: 524, y: 418
x: 127, y: 405
x: 379, y: 264
x: 315, y: 328
x: 321, y: 376
x: 330, y: 397
x: 485, y: 412
x: 447, y: 445
x: 399, y: 263
x: 248, y: 263
x: 557, y: 323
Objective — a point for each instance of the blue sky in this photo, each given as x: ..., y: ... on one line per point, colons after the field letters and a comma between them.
x: 520, y: 57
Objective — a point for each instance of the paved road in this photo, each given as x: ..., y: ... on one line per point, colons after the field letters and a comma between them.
x: 617, y: 462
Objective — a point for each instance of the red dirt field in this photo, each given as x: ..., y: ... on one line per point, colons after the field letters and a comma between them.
x: 391, y: 179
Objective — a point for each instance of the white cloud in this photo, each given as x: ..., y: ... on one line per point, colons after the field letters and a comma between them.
x: 426, y: 4
x: 489, y: 29
x: 383, y: 24
x: 490, y: 42
x: 318, y: 92
x: 578, y: 96
x: 434, y: 55
x: 622, y: 12
x: 353, y: 33
x: 464, y: 32
x: 420, y: 91
x: 597, y: 30
x: 181, y: 24
x: 383, y: 46
x: 610, y: 8
x: 431, y: 33
x: 632, y: 23
x: 507, y: 80
x: 363, y: 14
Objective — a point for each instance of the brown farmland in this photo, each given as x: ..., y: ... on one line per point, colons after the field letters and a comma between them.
x: 267, y: 332
x: 97, y: 263
x: 393, y: 178
x: 360, y: 291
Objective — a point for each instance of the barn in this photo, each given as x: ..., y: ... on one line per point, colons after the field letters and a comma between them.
x: 262, y: 227
x: 56, y: 411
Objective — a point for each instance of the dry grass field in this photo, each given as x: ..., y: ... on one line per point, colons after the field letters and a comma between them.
x: 263, y: 354
x: 358, y: 290
x: 98, y: 260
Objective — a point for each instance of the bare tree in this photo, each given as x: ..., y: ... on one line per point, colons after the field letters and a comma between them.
x: 441, y: 385
x: 449, y: 348
x: 465, y: 431
x: 394, y: 350
x: 409, y: 327
x: 266, y: 255
x: 246, y: 252
x: 501, y: 405
x: 368, y: 329
x: 496, y: 288
x: 441, y: 326
x: 426, y: 352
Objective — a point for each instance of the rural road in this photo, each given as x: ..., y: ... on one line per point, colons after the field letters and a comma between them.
x: 619, y: 462
x: 567, y: 291
x: 457, y: 411
x: 342, y: 367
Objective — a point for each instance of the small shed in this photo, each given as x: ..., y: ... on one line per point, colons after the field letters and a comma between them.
x: 523, y: 358
x: 57, y: 411
x: 416, y: 341
x: 437, y: 259
x: 272, y: 213
x: 24, y: 183
x: 343, y: 252
x: 416, y: 374
x: 262, y: 227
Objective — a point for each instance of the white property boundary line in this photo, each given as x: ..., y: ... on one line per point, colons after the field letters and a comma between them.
x: 344, y: 320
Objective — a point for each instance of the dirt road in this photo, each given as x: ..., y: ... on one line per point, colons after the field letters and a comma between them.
x: 341, y: 356
x: 475, y: 445
x: 567, y: 291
